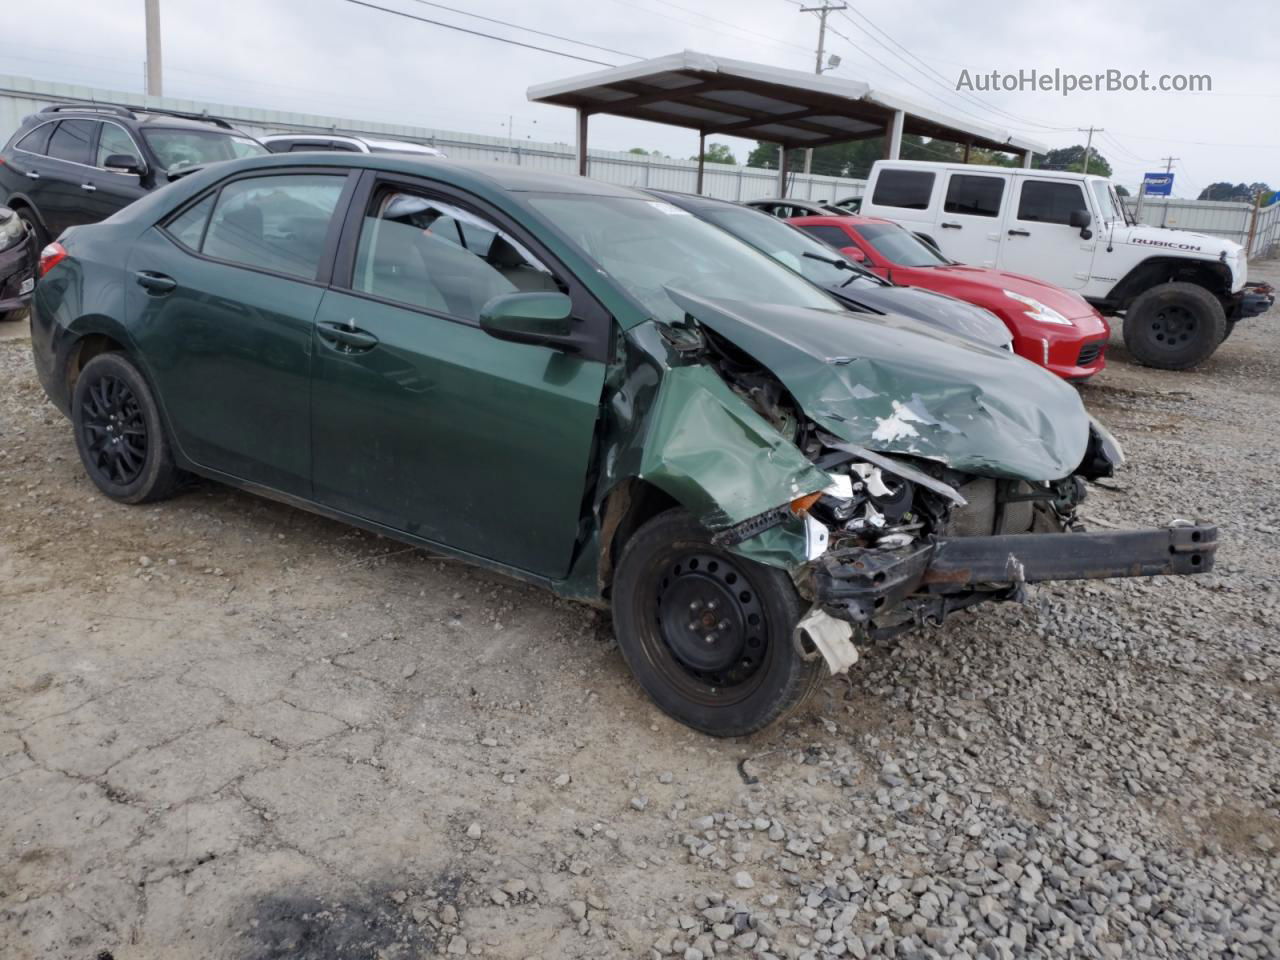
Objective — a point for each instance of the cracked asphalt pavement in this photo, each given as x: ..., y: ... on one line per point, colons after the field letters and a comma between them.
x: 229, y: 729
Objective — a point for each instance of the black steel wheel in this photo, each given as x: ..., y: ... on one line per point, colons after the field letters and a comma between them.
x: 1174, y: 326
x: 118, y: 432
x: 708, y: 634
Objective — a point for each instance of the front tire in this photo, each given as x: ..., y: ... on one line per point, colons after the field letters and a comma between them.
x: 1175, y: 326
x: 119, y: 434
x: 708, y: 634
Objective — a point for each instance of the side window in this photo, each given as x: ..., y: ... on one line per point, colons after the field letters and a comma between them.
x: 112, y: 141
x: 908, y: 189
x: 71, y: 141
x: 1043, y: 201
x: 188, y: 227
x: 436, y: 256
x: 37, y: 141
x: 276, y: 223
x: 975, y: 196
x: 831, y: 236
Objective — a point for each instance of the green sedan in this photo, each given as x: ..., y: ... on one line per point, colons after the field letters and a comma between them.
x: 586, y: 388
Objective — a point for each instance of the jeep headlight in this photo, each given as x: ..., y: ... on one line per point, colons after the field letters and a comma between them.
x: 12, y: 230
x: 1038, y: 310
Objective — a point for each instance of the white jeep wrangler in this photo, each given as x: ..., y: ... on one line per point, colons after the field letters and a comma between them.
x: 1180, y: 293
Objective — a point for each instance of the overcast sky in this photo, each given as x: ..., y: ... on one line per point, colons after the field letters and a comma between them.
x: 335, y: 58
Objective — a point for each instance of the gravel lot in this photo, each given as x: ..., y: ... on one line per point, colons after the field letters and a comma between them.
x: 229, y: 729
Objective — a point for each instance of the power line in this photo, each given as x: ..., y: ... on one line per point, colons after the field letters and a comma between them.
x: 938, y: 77
x: 478, y: 33
x: 700, y: 26
x: 540, y: 33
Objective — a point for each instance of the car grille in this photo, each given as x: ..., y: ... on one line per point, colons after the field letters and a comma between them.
x: 1089, y: 353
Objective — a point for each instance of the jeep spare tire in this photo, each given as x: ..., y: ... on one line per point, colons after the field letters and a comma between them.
x: 1174, y: 326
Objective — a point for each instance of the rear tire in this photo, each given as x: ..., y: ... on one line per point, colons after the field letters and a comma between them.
x: 708, y: 634
x: 1175, y: 326
x: 119, y: 434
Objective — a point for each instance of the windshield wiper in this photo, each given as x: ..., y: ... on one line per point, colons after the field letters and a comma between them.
x: 842, y: 264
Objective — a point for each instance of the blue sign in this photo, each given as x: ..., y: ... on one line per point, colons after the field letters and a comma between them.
x: 1158, y: 184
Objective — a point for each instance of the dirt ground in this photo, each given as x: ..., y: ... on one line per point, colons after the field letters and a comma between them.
x: 230, y: 729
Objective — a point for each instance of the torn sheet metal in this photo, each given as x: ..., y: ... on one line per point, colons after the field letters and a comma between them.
x: 906, y: 388
x: 710, y: 451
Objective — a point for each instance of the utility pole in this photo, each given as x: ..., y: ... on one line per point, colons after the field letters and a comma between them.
x: 1088, y: 146
x: 1164, y: 208
x: 822, y: 11
x: 154, y: 74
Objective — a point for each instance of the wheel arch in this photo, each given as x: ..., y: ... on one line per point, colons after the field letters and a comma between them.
x: 626, y: 507
x: 1213, y: 275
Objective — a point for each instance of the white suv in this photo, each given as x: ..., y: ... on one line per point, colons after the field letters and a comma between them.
x: 1180, y: 293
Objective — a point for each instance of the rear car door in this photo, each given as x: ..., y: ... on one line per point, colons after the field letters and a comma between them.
x: 424, y: 423
x: 62, y: 201
x: 22, y: 172
x: 971, y: 216
x: 1039, y: 239
x: 222, y: 297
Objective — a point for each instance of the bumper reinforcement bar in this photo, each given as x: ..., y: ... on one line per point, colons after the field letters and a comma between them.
x: 861, y: 584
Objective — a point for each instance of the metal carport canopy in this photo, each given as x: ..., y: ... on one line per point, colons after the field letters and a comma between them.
x: 716, y: 95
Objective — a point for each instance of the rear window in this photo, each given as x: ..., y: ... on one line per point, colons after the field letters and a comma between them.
x: 71, y: 141
x: 908, y: 189
x: 37, y: 141
x: 974, y: 196
x: 1045, y: 202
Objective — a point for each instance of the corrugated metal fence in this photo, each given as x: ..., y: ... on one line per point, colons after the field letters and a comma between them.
x: 1220, y: 218
x: 20, y: 96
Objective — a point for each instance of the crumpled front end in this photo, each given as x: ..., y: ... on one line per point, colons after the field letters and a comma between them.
x: 894, y: 492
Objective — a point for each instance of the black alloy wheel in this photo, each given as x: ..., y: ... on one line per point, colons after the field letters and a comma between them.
x: 119, y: 434
x: 115, y: 431
x: 1174, y: 326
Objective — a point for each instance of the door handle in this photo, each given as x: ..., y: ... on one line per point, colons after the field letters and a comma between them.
x: 88, y: 187
x: 1019, y: 233
x: 33, y: 174
x: 155, y: 282
x: 953, y: 226
x: 350, y: 339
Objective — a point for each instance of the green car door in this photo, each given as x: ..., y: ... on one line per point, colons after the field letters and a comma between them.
x: 423, y: 422
x: 223, y: 297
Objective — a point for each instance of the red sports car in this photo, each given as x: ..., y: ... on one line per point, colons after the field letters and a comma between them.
x: 1053, y: 327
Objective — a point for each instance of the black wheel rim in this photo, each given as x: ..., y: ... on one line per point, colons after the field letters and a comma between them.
x: 114, y: 430
x: 712, y: 628
x: 1174, y: 326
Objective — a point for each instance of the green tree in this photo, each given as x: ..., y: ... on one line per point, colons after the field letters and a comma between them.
x: 1072, y: 158
x: 1240, y: 192
x: 1121, y: 191
x: 718, y: 153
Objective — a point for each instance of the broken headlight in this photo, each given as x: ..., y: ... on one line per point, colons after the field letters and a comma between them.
x: 12, y: 230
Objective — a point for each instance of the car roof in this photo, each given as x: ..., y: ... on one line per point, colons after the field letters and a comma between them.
x: 117, y: 112
x: 506, y: 178
x: 831, y: 219
x: 983, y: 168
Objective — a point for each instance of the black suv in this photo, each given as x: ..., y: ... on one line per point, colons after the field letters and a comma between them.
x: 80, y: 163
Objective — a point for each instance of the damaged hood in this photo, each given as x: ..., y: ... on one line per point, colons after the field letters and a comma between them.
x: 895, y: 385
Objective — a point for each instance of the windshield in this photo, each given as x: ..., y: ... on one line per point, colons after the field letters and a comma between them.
x: 1107, y: 209
x: 178, y: 148
x: 900, y: 247
x: 787, y: 245
x: 648, y: 245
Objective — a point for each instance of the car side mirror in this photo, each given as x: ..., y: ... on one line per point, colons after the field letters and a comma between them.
x: 124, y: 163
x: 1081, y: 219
x: 537, y: 318
x: 855, y: 254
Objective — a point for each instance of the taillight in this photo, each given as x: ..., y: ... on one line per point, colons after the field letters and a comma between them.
x: 51, y: 256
